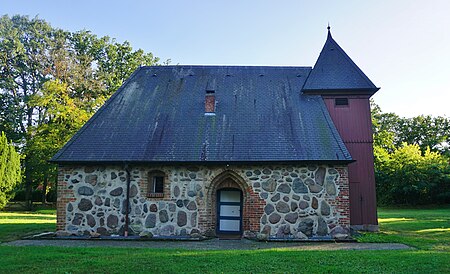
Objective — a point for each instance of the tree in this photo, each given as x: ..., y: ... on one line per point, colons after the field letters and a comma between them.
x: 411, y: 156
x: 9, y: 170
x: 38, y: 62
x: 408, y: 176
x: 391, y: 131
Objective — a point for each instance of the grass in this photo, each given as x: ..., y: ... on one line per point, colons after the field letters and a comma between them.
x: 15, y: 225
x: 427, y: 230
x: 121, y: 260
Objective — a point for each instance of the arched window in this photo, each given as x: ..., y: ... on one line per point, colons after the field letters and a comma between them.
x: 156, y: 181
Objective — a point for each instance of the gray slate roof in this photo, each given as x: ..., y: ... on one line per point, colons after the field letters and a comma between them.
x: 158, y: 116
x: 335, y: 71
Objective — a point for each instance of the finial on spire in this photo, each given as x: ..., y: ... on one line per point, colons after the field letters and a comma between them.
x: 329, y: 31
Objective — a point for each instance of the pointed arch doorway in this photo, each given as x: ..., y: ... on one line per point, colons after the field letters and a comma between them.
x: 228, y: 195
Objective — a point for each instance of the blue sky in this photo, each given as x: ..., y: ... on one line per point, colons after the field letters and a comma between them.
x: 403, y: 46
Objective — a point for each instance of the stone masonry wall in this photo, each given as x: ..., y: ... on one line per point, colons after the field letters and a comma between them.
x: 280, y: 201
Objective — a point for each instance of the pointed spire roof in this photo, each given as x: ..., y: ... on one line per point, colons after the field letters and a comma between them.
x: 335, y: 73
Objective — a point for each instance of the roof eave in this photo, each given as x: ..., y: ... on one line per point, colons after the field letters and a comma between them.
x: 334, y: 162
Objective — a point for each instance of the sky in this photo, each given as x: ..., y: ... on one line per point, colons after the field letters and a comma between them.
x: 403, y: 46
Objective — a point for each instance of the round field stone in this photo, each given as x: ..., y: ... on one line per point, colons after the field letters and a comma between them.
x: 181, y: 218
x: 180, y: 203
x: 315, y: 203
x: 85, y: 205
x: 284, y: 188
x: 90, y: 220
x: 324, y: 208
x: 194, y: 219
x: 275, y: 197
x: 330, y: 188
x: 77, y: 219
x: 291, y: 217
x: 163, y: 216
x: 133, y: 191
x: 98, y: 201
x: 274, y: 218
x: 176, y: 191
x: 284, y: 231
x: 266, y: 230
x: 306, y: 226
x: 167, y: 230
x: 112, y: 221
x: 269, y: 185
x: 320, y: 176
x: 150, y: 221
x: 172, y: 207
x: 85, y: 191
x: 303, y: 204
x: 192, y: 205
x: 116, y: 192
x: 298, y: 186
x: 268, y: 209
x: 322, y: 227
x: 294, y: 206
x: 282, y: 207
x: 91, y: 179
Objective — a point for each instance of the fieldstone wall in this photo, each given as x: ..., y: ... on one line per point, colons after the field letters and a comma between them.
x: 279, y: 201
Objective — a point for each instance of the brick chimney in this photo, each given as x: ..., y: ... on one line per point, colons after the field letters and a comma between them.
x: 210, y: 102
x: 210, y: 98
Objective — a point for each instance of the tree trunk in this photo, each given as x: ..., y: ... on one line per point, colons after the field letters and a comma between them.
x: 28, y: 186
x: 44, y: 190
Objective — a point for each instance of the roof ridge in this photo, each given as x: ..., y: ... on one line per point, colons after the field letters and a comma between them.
x: 96, y: 114
x: 230, y: 66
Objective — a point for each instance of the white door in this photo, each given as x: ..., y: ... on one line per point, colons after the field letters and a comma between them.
x: 229, y: 211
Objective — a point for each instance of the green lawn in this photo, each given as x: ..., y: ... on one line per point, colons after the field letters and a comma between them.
x: 15, y: 225
x: 427, y: 230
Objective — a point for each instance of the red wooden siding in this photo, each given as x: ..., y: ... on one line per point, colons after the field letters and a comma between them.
x: 355, y: 127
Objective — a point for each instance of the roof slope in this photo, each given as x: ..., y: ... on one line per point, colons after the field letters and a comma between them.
x: 158, y: 115
x: 334, y: 70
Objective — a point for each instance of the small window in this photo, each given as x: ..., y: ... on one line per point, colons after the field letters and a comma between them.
x: 156, y: 185
x: 341, y: 101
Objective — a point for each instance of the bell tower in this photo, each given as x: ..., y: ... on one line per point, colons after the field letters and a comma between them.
x: 346, y: 91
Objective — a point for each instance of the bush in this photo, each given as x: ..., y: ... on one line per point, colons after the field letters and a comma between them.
x: 9, y: 170
x: 51, y: 195
x: 36, y: 195
x: 407, y: 176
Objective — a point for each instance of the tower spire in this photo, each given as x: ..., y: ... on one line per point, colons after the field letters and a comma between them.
x: 329, y: 29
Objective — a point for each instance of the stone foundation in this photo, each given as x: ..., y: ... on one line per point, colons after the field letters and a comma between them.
x: 278, y: 201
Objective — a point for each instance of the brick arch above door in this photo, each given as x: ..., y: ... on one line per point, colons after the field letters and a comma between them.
x: 253, y: 205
